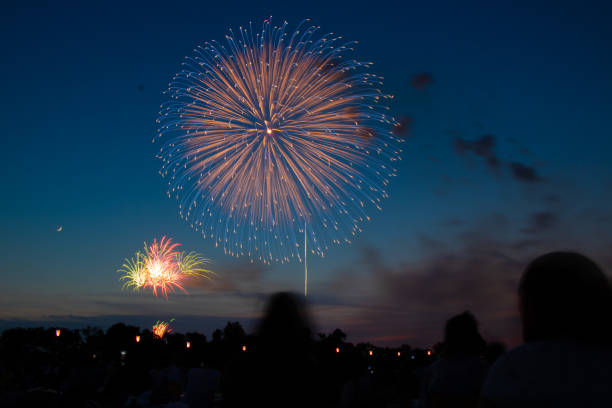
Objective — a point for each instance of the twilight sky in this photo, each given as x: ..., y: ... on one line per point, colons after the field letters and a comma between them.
x: 507, y: 155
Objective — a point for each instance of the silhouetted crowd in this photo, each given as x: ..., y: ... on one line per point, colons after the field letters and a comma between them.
x: 564, y: 300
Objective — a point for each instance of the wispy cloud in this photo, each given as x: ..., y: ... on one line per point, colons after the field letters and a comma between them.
x: 541, y: 221
x: 524, y: 173
x: 421, y: 81
x: 483, y: 147
x: 404, y: 126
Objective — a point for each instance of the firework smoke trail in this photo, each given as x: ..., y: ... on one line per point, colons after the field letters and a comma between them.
x: 162, y: 268
x: 272, y: 131
x: 305, y: 262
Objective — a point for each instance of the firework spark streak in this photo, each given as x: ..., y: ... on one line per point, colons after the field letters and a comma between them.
x: 162, y: 268
x: 134, y: 272
x: 273, y: 131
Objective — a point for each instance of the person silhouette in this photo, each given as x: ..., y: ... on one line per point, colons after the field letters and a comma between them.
x: 456, y: 378
x: 565, y: 305
x: 279, y: 368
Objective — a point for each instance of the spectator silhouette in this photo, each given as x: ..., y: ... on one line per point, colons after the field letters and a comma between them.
x: 565, y: 303
x: 279, y: 368
x: 456, y: 378
x: 493, y: 351
x: 202, y: 384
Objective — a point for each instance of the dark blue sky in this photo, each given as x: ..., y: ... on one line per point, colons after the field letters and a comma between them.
x: 82, y: 85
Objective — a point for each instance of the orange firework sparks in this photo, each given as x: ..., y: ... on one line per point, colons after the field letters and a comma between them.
x: 272, y: 132
x: 160, y: 328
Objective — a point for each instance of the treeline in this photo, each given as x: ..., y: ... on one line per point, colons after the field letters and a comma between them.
x: 112, y: 366
x: 124, y: 343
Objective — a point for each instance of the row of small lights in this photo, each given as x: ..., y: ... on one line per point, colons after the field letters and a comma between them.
x: 244, y: 348
x: 371, y: 353
x: 58, y: 332
x: 187, y: 344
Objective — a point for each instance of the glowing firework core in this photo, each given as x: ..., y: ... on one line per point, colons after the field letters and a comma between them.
x: 155, y: 268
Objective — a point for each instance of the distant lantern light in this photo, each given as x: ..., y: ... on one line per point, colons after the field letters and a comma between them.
x: 429, y: 352
x: 337, y: 349
x: 399, y: 353
x: 58, y: 332
x: 137, y: 339
x: 370, y: 352
x: 188, y: 344
x: 243, y: 348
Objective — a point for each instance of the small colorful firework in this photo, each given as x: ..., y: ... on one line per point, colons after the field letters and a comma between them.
x: 160, y: 328
x: 162, y: 268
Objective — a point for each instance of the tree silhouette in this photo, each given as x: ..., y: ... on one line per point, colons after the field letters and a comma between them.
x: 217, y: 336
x: 233, y: 333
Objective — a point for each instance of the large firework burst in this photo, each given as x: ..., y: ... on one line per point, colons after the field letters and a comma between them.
x: 274, y: 132
x: 162, y: 268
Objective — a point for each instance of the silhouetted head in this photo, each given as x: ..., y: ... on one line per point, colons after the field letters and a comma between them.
x: 285, y: 322
x: 565, y: 295
x: 461, y: 336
